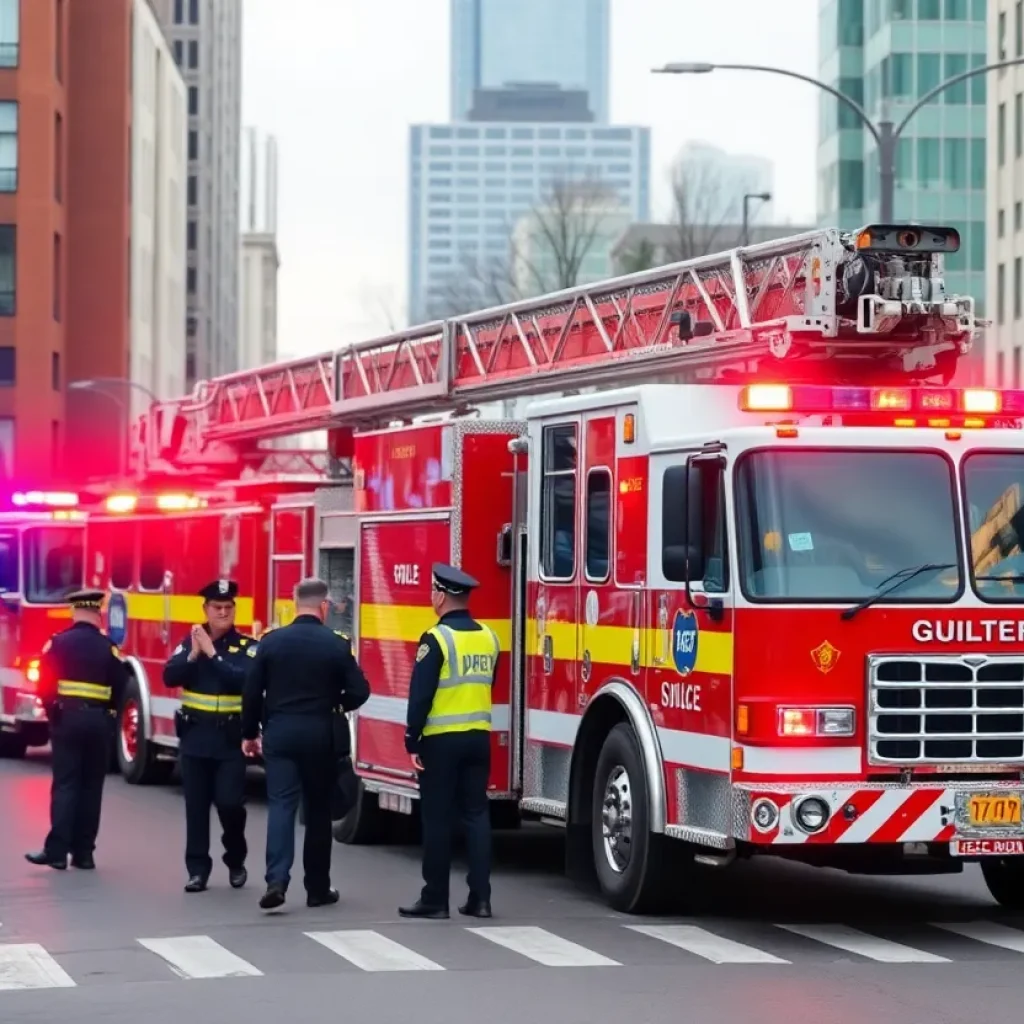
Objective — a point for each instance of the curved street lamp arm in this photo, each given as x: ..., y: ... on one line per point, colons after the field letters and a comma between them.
x: 955, y: 80
x: 852, y: 104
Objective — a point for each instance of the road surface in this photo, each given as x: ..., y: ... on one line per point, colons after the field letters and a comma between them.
x: 785, y: 945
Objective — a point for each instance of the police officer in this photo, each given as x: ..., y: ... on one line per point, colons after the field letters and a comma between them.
x: 448, y: 737
x: 209, y: 666
x: 82, y: 678
x: 300, y: 684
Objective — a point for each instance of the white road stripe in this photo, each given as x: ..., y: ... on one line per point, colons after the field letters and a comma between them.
x: 706, y: 944
x: 843, y: 937
x: 199, y: 956
x: 28, y: 965
x: 372, y: 951
x: 988, y: 932
x: 545, y: 948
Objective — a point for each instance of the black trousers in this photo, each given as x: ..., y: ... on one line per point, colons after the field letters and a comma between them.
x: 453, y: 787
x: 211, y: 782
x: 300, y: 765
x: 81, y: 744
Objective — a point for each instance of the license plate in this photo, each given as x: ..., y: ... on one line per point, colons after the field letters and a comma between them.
x: 987, y: 847
x: 994, y: 810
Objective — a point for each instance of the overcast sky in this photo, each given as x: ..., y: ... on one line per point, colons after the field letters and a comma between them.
x: 339, y: 81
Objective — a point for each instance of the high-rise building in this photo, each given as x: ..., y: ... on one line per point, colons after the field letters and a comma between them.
x: 92, y: 148
x: 1003, y: 341
x: 207, y: 40
x: 887, y: 56
x: 471, y: 183
x: 497, y: 43
x: 259, y: 260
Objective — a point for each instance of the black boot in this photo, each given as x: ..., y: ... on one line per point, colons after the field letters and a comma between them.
x: 196, y: 883
x: 425, y: 911
x: 238, y: 877
x: 84, y: 862
x: 322, y: 899
x: 47, y: 860
x: 273, y: 897
x: 475, y: 908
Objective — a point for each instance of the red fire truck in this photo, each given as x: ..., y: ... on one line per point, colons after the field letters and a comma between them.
x: 760, y: 607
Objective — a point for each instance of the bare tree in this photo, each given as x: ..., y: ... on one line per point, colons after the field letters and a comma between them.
x: 380, y: 304
x: 547, y: 249
x: 704, y: 214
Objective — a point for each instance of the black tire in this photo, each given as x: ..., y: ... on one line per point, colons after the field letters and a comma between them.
x: 13, y: 746
x: 365, y: 824
x: 631, y: 873
x: 137, y: 756
x: 1004, y: 877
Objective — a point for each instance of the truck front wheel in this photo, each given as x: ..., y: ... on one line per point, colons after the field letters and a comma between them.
x: 628, y: 857
x: 1004, y: 877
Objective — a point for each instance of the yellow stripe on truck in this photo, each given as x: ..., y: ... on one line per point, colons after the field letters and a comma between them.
x: 180, y: 609
x: 407, y: 623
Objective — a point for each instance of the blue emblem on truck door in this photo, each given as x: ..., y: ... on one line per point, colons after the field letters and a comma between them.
x: 684, y: 642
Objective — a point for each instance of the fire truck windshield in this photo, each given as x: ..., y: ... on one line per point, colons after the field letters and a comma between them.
x: 992, y: 494
x: 53, y: 559
x: 823, y: 526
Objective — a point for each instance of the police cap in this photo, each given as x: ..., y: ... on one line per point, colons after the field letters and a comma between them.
x: 220, y: 590
x: 450, y: 580
x: 91, y: 599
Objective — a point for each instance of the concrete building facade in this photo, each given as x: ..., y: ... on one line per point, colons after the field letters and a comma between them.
x: 157, y: 231
x: 1003, y: 341
x: 206, y: 36
x: 886, y: 56
x: 259, y: 258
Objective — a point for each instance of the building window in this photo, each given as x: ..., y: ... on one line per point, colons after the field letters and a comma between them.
x: 1017, y: 283
x: 929, y: 10
x: 58, y: 157
x: 55, y: 371
x: 955, y: 64
x: 58, y: 275
x: 8, y: 269
x: 1016, y: 366
x: 955, y: 153
x: 193, y: 12
x: 193, y: 54
x: 1001, y: 223
x: 193, y: 144
x: 58, y: 50
x: 191, y: 234
x: 1018, y: 29
x: 190, y: 280
x: 8, y: 146
x: 1018, y: 215
x: 193, y: 190
x: 8, y: 365
x: 956, y: 10
x: 1018, y: 125
x: 1000, y: 368
x: 179, y: 12
x: 1002, y: 35
x: 193, y: 100
x: 1001, y: 135
x: 1001, y: 294
x: 10, y: 33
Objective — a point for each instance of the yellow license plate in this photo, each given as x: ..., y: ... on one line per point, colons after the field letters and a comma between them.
x: 989, y: 810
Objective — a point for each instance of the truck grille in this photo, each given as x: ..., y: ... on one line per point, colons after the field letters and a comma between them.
x: 945, y: 709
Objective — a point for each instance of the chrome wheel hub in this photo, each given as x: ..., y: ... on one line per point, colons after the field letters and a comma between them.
x: 617, y: 819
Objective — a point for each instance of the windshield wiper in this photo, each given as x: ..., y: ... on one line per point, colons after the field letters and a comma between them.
x: 901, y: 577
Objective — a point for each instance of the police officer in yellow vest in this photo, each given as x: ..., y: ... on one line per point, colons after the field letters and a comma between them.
x: 448, y: 736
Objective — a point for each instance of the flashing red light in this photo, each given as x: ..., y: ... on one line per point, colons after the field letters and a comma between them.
x: 52, y: 499
x: 974, y: 404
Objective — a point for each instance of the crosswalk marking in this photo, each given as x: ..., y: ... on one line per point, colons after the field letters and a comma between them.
x: 544, y: 947
x: 706, y: 944
x: 372, y: 951
x: 843, y: 937
x: 28, y: 965
x: 989, y: 932
x: 199, y: 956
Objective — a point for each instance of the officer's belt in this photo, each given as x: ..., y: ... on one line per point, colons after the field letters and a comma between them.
x: 84, y: 691
x: 219, y: 704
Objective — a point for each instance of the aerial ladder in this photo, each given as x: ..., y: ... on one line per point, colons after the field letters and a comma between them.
x: 859, y: 307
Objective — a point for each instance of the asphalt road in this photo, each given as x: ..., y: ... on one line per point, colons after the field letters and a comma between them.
x: 780, y: 945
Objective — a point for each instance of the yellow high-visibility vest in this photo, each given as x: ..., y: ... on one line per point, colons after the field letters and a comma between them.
x: 463, y: 698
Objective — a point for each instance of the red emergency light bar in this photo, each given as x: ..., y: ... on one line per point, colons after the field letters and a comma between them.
x: 47, y: 499
x: 972, y: 402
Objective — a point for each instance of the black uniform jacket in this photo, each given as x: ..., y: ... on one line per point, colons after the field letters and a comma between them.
x: 81, y: 654
x: 211, y: 733
x: 426, y: 675
x: 304, y: 668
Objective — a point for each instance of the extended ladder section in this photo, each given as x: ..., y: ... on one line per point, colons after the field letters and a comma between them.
x: 823, y: 305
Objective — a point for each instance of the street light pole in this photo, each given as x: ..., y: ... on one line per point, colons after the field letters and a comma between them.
x: 764, y: 197
x: 886, y: 134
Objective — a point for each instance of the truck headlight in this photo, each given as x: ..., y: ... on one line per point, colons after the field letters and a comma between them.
x: 810, y: 814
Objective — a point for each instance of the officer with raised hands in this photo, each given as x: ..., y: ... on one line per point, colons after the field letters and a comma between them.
x: 209, y: 666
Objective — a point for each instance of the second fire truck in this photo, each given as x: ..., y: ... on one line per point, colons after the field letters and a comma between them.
x: 766, y: 606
